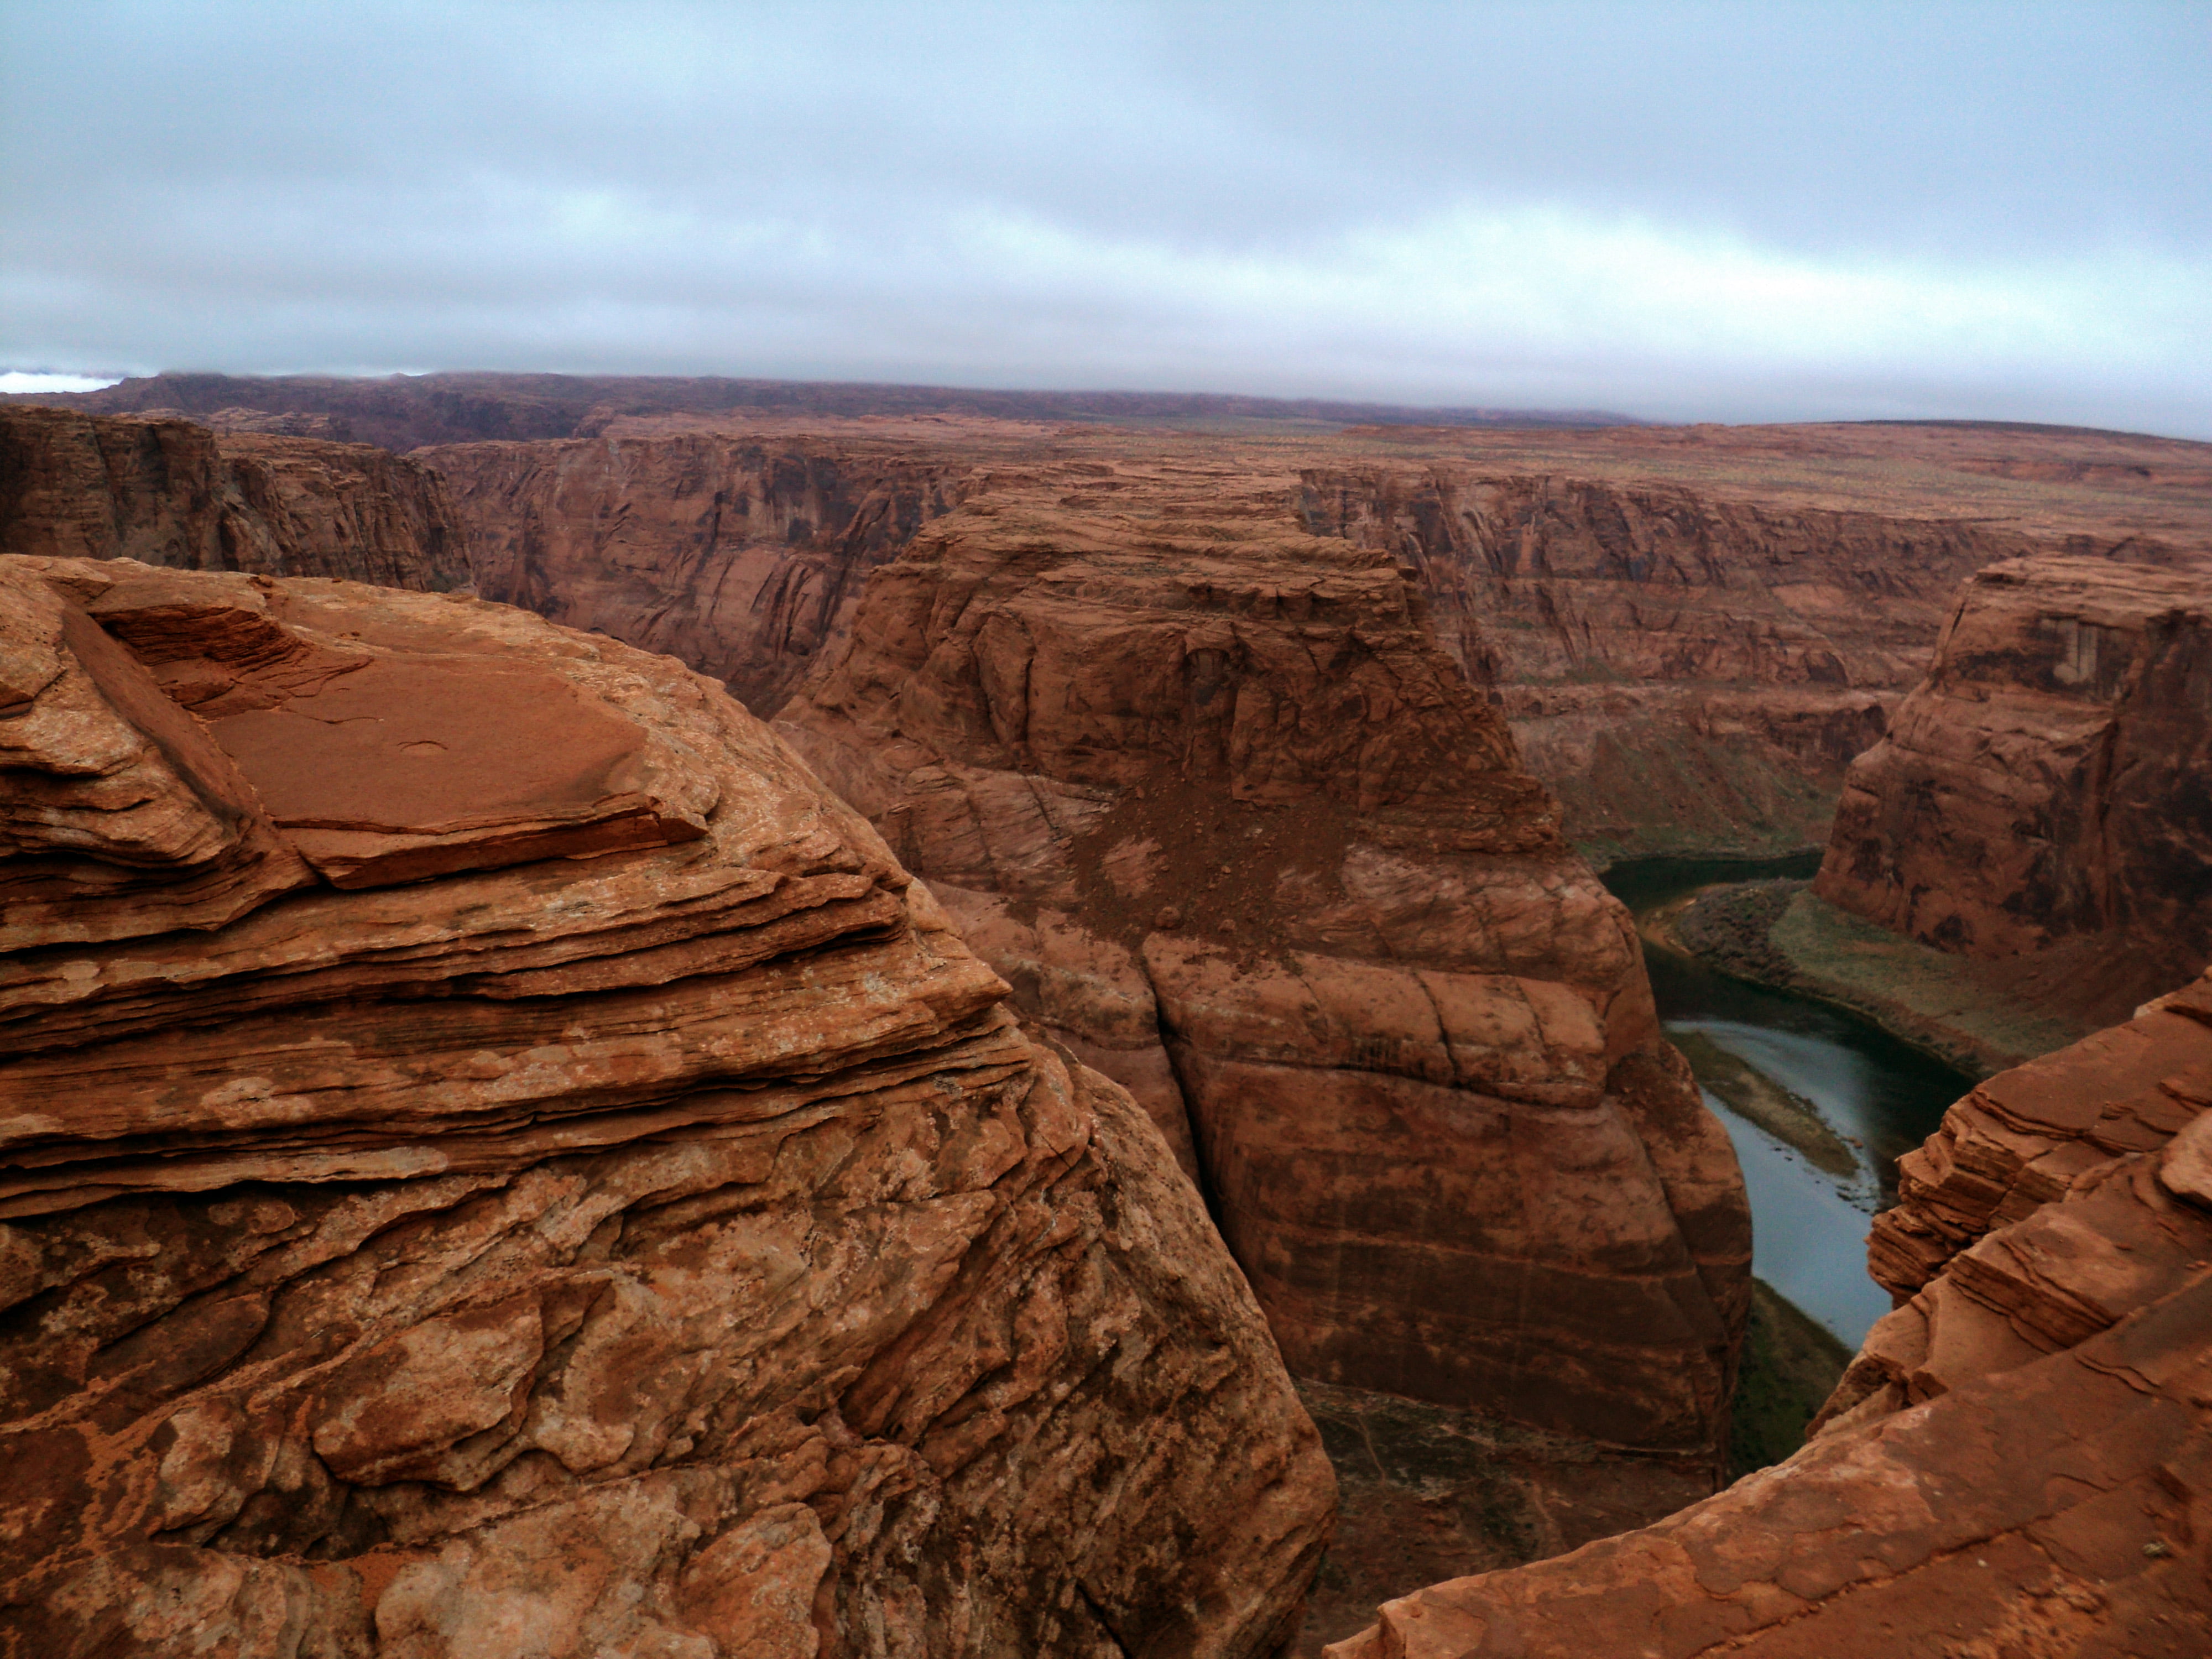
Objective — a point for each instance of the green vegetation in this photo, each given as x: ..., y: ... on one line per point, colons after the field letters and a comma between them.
x: 1791, y: 1364
x: 1929, y: 997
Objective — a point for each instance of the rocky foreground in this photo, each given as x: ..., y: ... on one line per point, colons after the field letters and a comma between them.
x: 2019, y: 1460
x: 495, y: 1158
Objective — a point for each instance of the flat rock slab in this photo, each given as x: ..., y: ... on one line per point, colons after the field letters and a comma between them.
x: 402, y: 769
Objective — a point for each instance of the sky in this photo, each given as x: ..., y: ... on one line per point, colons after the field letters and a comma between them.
x: 1728, y: 212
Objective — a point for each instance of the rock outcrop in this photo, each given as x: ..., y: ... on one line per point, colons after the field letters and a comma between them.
x: 1687, y: 671
x: 168, y: 492
x: 742, y: 556
x: 2018, y: 1462
x: 1692, y: 637
x: 2025, y: 1138
x: 1205, y: 788
x: 2048, y: 789
x: 505, y: 1162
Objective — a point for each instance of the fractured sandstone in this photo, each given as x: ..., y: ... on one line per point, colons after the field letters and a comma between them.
x: 1206, y: 789
x: 604, y: 1206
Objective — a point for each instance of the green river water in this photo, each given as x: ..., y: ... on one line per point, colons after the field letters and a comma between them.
x: 1881, y: 1095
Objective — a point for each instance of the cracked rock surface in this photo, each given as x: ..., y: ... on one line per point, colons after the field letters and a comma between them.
x: 614, y: 1212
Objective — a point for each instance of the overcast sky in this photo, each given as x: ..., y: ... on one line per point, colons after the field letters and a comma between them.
x: 1723, y: 211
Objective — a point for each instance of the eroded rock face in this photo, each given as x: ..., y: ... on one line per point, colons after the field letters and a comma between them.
x: 2027, y: 1137
x: 743, y: 557
x: 604, y: 1208
x: 2049, y: 787
x: 2018, y: 1461
x: 1691, y: 630
x: 1683, y: 670
x: 164, y: 491
x: 1205, y: 788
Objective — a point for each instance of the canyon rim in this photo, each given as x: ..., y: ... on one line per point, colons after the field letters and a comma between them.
x: 687, y: 1029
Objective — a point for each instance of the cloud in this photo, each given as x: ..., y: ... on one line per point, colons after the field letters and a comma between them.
x: 20, y: 380
x: 1718, y: 211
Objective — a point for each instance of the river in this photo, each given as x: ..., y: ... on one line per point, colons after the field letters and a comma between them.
x: 1882, y: 1097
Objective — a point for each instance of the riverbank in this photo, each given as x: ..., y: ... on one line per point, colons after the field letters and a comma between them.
x: 1819, y: 1101
x: 1749, y: 1092
x: 1791, y: 1364
x: 1972, y: 1016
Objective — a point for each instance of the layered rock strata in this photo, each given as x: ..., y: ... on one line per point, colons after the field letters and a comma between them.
x: 2027, y: 1137
x: 1693, y: 631
x: 741, y: 556
x: 2018, y: 1462
x: 1687, y: 673
x: 1206, y: 789
x: 2047, y: 791
x: 567, y: 1191
x: 168, y: 492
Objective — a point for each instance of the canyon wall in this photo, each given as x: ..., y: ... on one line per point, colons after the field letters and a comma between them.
x: 2019, y: 1460
x: 403, y: 411
x: 1205, y: 788
x: 494, y: 1158
x: 740, y: 556
x: 168, y: 492
x: 1687, y: 673
x: 2047, y: 790
x: 1690, y: 653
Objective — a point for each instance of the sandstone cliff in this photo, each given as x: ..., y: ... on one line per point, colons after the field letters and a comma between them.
x: 741, y: 556
x: 1205, y: 788
x: 568, y: 1192
x: 1687, y: 671
x: 168, y: 492
x: 1691, y: 631
x: 2047, y: 791
x: 2020, y: 1460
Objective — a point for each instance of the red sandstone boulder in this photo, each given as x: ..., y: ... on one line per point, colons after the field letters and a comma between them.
x: 1226, y: 815
x: 2049, y: 788
x: 663, y: 1244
